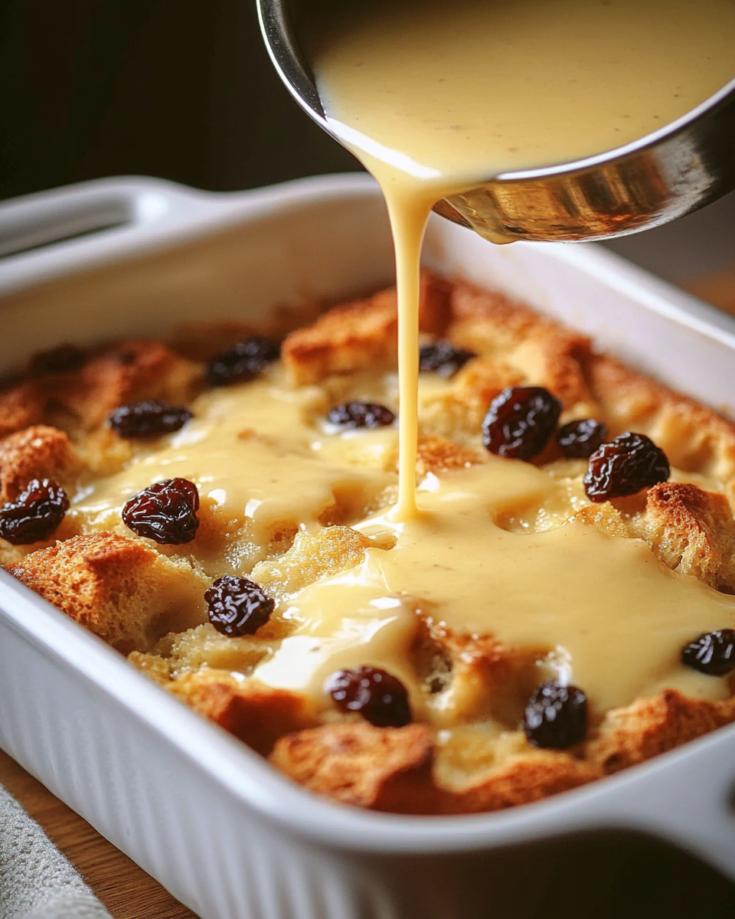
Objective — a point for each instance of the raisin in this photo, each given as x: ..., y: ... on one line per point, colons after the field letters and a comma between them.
x: 35, y: 513
x: 556, y: 716
x: 377, y: 695
x: 443, y: 358
x: 351, y: 415
x: 580, y: 439
x: 148, y: 419
x: 712, y: 653
x: 625, y: 466
x: 237, y: 606
x: 520, y: 422
x: 63, y: 359
x: 164, y: 512
x: 243, y: 362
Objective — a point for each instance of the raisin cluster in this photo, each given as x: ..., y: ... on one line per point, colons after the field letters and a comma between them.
x: 243, y: 362
x: 521, y: 421
x: 164, y: 512
x: 443, y: 358
x: 351, y: 415
x: 375, y: 694
x: 556, y: 716
x: 237, y: 606
x: 148, y: 419
x: 35, y: 513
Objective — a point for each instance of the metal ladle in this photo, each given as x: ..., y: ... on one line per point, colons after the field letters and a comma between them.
x: 641, y: 185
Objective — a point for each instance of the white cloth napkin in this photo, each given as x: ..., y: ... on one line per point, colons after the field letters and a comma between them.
x: 36, y: 880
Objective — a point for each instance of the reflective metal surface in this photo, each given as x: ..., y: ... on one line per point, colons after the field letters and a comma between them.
x: 645, y: 184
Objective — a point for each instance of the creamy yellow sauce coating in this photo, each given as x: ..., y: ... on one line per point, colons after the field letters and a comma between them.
x: 599, y: 610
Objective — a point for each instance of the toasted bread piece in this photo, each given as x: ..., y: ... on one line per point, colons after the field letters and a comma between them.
x: 22, y: 405
x: 474, y: 678
x: 690, y: 530
x: 473, y: 774
x: 535, y: 346
x: 361, y: 334
x: 437, y: 455
x: 118, y: 588
x: 255, y: 713
x: 400, y: 770
x: 38, y: 452
x: 378, y: 768
x: 311, y: 557
x: 694, y: 437
x: 80, y: 400
x: 130, y: 371
x: 204, y: 648
x: 652, y: 726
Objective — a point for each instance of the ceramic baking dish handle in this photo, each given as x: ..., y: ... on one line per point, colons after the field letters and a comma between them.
x: 56, y: 231
x: 688, y: 801
x: 78, y: 211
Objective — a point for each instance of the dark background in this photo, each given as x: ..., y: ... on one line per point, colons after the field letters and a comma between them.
x: 182, y: 89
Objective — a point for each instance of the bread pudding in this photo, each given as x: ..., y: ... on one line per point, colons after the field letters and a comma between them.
x: 220, y: 513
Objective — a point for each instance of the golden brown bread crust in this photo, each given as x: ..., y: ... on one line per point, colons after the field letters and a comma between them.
x: 119, y: 588
x: 437, y: 455
x: 361, y: 334
x: 256, y: 714
x: 38, y: 452
x: 653, y: 726
x: 386, y: 769
x: 81, y: 399
x: 694, y: 437
x: 115, y: 586
x: 21, y: 406
x: 506, y: 773
x: 690, y: 530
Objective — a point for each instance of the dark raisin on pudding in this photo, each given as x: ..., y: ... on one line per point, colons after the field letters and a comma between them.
x: 520, y: 422
x: 580, y: 439
x: 375, y: 694
x: 243, y: 362
x: 712, y: 653
x: 556, y: 716
x: 624, y: 467
x: 237, y: 606
x: 63, y: 359
x: 164, y: 512
x: 352, y: 415
x: 35, y: 513
x: 443, y: 358
x: 148, y: 419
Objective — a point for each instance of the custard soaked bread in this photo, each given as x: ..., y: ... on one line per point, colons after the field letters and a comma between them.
x: 560, y: 609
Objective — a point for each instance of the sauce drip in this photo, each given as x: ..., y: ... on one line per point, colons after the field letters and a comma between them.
x: 436, y: 98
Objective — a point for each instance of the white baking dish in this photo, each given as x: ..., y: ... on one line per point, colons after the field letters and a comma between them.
x: 215, y: 824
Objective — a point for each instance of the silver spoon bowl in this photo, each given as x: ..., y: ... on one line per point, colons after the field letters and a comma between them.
x: 645, y: 184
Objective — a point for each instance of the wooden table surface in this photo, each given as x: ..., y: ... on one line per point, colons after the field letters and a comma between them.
x: 125, y: 889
